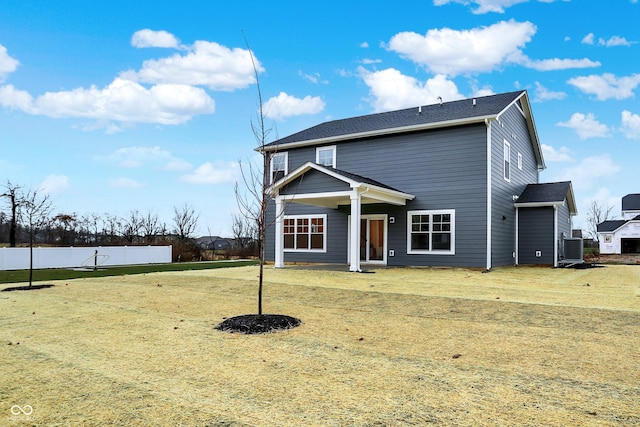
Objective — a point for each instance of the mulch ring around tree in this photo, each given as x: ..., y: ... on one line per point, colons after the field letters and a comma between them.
x: 27, y: 288
x: 258, y: 324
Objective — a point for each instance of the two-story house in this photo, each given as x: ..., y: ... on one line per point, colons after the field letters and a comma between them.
x: 449, y: 184
x: 622, y: 236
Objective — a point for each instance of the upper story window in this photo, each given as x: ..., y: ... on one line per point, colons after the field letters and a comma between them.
x: 431, y: 232
x: 326, y: 156
x: 279, y: 166
x: 507, y: 160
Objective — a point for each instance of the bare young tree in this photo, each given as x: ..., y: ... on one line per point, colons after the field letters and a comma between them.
x: 65, y: 226
x: 112, y: 227
x: 244, y: 231
x: 597, y: 214
x: 185, y: 220
x: 253, y: 202
x: 34, y: 213
x: 151, y: 226
x: 12, y: 193
x: 132, y: 226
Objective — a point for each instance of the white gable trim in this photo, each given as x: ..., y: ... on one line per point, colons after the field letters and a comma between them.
x: 371, y: 193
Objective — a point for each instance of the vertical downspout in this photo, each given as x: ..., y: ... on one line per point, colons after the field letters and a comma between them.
x: 555, y: 235
x: 517, y: 228
x: 489, y: 205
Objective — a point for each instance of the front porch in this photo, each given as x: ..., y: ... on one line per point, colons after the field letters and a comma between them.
x: 316, y: 185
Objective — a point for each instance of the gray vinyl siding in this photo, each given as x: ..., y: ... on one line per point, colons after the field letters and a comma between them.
x: 564, y: 221
x: 536, y: 234
x: 314, y: 182
x: 443, y: 169
x: 511, y: 127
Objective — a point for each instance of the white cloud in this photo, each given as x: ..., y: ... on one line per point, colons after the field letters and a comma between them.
x: 452, y: 52
x: 615, y: 41
x: 122, y: 100
x: 607, y: 86
x: 543, y: 94
x: 611, y: 42
x: 53, y: 184
x: 126, y: 183
x: 364, y: 45
x: 586, y: 126
x: 483, y: 6
x: 177, y: 165
x: 136, y: 157
x: 7, y: 64
x: 391, y: 90
x: 631, y: 125
x: 552, y: 155
x: 150, y: 38
x: 15, y: 99
x: 557, y: 63
x: 482, y: 49
x: 313, y: 78
x: 163, y: 91
x: 590, y: 172
x: 588, y: 39
x: 285, y: 105
x: 208, y: 173
x: 205, y: 64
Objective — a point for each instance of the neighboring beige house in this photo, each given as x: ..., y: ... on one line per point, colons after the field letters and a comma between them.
x: 622, y: 236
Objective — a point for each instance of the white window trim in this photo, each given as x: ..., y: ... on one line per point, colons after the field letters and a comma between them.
x: 286, y: 164
x: 451, y: 251
x: 506, y: 160
x: 520, y: 161
x: 329, y: 147
x: 324, y: 233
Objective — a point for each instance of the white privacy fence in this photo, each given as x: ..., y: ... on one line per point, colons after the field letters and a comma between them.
x: 70, y: 257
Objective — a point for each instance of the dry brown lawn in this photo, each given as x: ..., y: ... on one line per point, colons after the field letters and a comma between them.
x: 400, y: 347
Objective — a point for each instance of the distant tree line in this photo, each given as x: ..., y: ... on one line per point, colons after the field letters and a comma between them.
x: 24, y: 222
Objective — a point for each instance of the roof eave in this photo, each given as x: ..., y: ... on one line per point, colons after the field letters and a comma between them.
x: 572, y: 211
x: 531, y: 125
x: 379, y: 132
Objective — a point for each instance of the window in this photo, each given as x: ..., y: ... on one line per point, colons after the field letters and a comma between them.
x: 305, y: 233
x: 279, y: 166
x: 519, y: 161
x: 507, y: 161
x: 431, y: 232
x: 326, y: 156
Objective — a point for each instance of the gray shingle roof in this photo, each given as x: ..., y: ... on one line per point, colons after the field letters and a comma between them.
x: 485, y: 106
x: 545, y: 193
x: 631, y: 202
x: 610, y: 225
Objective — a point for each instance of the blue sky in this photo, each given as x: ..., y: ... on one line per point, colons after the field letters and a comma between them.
x: 136, y: 105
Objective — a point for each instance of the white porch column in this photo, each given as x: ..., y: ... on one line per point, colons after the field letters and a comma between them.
x: 279, y: 249
x: 354, y: 250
